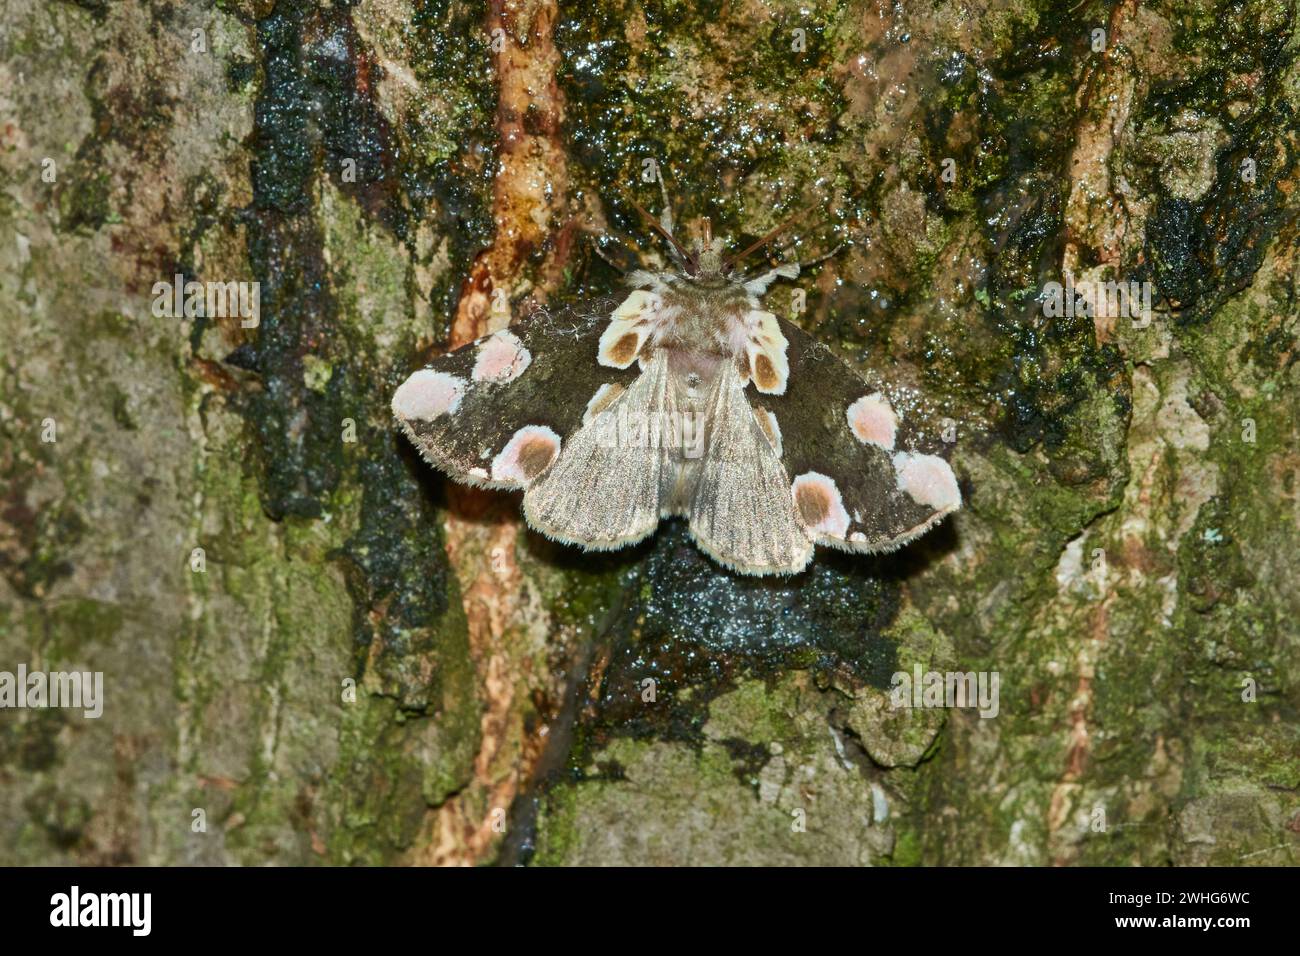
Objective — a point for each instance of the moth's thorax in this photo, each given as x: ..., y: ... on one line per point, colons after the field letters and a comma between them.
x: 704, y: 314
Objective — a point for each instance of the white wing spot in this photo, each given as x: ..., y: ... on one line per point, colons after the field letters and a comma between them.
x: 872, y: 421
x: 501, y: 358
x: 621, y: 342
x: 767, y: 364
x: 427, y: 394
x: 928, y: 479
x: 529, y: 452
x: 819, y: 505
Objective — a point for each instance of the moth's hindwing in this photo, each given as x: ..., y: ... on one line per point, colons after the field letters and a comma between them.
x: 496, y: 412
x: 863, y: 476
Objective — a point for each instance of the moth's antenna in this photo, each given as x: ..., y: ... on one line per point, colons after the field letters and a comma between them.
x: 732, y: 261
x: 655, y: 225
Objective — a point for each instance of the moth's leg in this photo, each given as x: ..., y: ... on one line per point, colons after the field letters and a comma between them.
x: 666, y: 214
x: 786, y: 270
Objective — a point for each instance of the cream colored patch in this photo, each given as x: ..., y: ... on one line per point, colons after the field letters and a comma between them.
x: 819, y: 505
x: 528, y: 453
x: 628, y: 327
x: 768, y: 423
x: 427, y: 394
x: 605, y: 396
x: 928, y: 480
x: 765, y: 353
x: 501, y: 358
x: 873, y: 422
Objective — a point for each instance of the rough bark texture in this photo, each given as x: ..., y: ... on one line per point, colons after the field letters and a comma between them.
x: 1127, y: 561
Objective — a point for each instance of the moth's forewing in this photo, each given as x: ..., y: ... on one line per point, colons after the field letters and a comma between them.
x: 870, y: 482
x: 497, y: 412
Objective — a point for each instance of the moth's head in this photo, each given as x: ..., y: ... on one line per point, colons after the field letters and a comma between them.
x: 706, y: 256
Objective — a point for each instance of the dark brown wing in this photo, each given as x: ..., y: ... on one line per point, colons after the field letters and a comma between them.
x: 864, y: 476
x: 496, y: 412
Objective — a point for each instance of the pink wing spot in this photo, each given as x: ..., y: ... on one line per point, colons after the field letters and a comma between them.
x: 873, y: 421
x: 819, y: 505
x: 427, y: 394
x: 501, y: 358
x: 929, y: 480
x: 528, y: 453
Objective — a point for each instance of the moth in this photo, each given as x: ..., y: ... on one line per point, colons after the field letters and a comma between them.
x: 690, y: 401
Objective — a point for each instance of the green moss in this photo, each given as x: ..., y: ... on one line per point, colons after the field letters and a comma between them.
x: 559, y: 823
x: 62, y: 816
x: 907, y: 850
x: 85, y: 203
x: 51, y: 534
x: 734, y: 796
x: 31, y: 745
x: 76, y: 627
x: 624, y: 94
